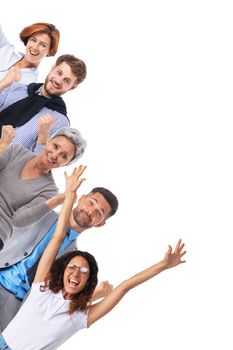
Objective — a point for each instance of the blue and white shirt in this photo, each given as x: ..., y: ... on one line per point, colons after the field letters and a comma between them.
x: 27, y: 134
x: 14, y: 278
x: 9, y: 56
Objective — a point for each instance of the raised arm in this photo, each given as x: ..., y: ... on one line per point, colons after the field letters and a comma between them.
x: 8, y: 134
x: 12, y: 76
x: 38, y: 207
x: 3, y: 40
x: 102, y: 290
x: 72, y: 184
x: 171, y: 259
x: 44, y: 126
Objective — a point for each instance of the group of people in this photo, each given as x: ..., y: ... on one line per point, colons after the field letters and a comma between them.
x: 48, y: 286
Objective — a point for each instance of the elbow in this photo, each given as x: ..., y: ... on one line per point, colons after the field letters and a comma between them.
x: 124, y: 287
x: 20, y: 222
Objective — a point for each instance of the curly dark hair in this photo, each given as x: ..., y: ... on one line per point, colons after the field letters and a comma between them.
x: 54, y: 280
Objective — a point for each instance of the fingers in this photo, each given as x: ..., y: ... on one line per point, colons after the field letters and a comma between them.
x: 182, y: 254
x: 81, y: 181
x: 169, y: 251
x: 46, y: 120
x: 77, y: 172
x: 81, y: 169
x: 106, y: 287
x: 73, y: 182
x: 179, y: 252
x: 179, y: 247
x: 8, y: 134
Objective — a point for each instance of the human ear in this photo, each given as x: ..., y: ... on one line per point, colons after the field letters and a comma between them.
x: 100, y: 224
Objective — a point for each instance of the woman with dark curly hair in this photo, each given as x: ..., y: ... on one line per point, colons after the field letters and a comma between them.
x: 59, y: 303
x: 40, y: 39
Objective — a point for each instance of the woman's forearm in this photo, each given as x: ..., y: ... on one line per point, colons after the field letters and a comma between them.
x: 13, y: 75
x: 171, y: 259
x: 53, y: 202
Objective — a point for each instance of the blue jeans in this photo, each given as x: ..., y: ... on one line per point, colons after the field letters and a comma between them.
x: 3, y: 345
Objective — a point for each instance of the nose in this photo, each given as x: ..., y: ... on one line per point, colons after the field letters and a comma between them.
x: 95, y: 212
x: 59, y: 80
x: 76, y: 272
x: 35, y: 46
x: 55, y: 155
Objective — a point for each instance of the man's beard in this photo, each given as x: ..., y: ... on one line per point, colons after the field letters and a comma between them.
x: 82, y: 218
x: 48, y: 92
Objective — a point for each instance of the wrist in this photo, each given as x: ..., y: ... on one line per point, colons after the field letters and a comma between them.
x: 69, y: 194
x: 53, y: 202
x: 42, y: 140
x: 163, y: 264
x: 4, y: 144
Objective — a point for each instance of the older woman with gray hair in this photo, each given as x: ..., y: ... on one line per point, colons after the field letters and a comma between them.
x: 27, y: 188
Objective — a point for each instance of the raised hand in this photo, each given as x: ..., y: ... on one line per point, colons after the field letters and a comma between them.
x: 8, y: 134
x: 44, y: 126
x: 102, y: 290
x: 73, y: 181
x: 173, y: 258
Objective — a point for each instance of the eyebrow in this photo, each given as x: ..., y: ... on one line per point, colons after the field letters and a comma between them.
x: 41, y: 41
x: 58, y: 144
x: 98, y: 203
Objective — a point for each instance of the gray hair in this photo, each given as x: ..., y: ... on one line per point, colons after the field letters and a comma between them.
x: 75, y: 137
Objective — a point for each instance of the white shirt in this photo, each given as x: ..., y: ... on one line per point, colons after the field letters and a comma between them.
x: 43, y: 322
x: 9, y: 56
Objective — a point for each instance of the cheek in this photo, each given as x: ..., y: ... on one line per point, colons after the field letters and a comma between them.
x: 84, y: 281
x: 44, y: 50
x: 63, y: 162
x: 27, y: 47
x: 65, y: 276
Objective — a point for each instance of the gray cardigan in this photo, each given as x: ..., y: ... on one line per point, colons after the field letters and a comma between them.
x: 25, y: 239
x: 22, y: 202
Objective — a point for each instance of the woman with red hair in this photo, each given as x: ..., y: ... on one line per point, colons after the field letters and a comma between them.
x: 40, y: 40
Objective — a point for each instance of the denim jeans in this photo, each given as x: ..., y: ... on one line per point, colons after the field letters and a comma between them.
x: 3, y: 345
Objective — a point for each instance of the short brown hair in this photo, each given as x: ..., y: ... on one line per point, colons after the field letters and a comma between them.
x: 44, y: 28
x: 77, y: 66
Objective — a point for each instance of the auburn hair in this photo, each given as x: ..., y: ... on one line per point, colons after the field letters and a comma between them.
x: 42, y: 28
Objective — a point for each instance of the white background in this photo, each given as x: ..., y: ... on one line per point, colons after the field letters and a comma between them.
x: 156, y: 110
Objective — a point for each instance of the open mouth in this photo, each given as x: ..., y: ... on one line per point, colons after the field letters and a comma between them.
x: 73, y: 282
x: 51, y: 160
x: 54, y: 84
x: 33, y: 53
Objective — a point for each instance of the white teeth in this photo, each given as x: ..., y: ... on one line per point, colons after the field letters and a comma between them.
x: 73, y: 282
x: 33, y: 53
x: 51, y: 160
x: 55, y: 85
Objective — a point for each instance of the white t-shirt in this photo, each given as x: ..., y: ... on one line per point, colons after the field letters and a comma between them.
x: 43, y: 322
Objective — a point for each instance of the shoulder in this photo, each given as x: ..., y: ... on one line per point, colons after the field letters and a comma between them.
x: 8, y: 54
x: 29, y: 75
